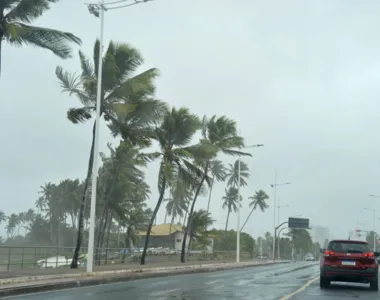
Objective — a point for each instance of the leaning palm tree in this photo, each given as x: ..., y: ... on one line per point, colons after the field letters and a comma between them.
x: 15, y: 17
x: 231, y: 202
x: 126, y: 101
x: 258, y: 202
x: 174, y: 135
x: 221, y: 133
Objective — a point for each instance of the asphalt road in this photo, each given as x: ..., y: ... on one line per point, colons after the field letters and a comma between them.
x: 259, y: 283
x: 336, y: 291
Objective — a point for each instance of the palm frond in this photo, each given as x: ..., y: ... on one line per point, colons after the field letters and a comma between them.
x: 141, y: 83
x: 235, y: 152
x: 71, y: 84
x: 56, y: 41
x: 27, y: 10
x: 80, y: 114
x: 86, y: 66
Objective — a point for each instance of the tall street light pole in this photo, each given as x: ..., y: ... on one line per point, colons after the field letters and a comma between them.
x: 98, y: 11
x: 274, y: 186
x: 238, y: 212
x: 374, y: 226
x: 278, y: 212
x: 278, y: 223
x: 374, y: 220
x: 100, y: 8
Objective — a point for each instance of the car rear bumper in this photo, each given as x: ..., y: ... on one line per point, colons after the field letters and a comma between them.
x: 348, y: 275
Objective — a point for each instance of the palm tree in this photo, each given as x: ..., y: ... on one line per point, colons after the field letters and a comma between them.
x: 13, y: 221
x: 233, y: 174
x: 197, y: 232
x: 218, y: 172
x: 3, y: 217
x: 52, y: 204
x: 15, y: 17
x: 121, y: 187
x: 181, y: 195
x: 220, y: 133
x: 258, y: 201
x: 126, y: 101
x: 231, y: 202
x: 174, y: 135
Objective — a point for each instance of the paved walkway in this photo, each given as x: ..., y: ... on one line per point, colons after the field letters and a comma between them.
x: 108, y: 267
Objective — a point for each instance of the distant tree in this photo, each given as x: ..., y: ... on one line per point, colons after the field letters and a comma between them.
x: 231, y: 202
x: 258, y: 202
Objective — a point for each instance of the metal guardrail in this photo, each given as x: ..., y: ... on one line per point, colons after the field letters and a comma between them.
x: 21, y: 258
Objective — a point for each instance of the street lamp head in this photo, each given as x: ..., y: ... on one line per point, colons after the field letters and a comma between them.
x: 93, y: 9
x: 372, y: 195
x: 254, y: 146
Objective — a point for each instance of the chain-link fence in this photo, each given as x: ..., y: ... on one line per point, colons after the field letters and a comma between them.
x: 21, y: 258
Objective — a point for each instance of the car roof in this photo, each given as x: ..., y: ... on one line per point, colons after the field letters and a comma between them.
x: 349, y: 241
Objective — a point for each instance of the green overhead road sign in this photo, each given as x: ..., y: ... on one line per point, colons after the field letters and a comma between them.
x: 298, y: 223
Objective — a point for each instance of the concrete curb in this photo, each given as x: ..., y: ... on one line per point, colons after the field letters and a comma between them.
x: 95, y: 278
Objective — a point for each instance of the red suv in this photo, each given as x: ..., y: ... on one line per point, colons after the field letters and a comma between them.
x: 349, y: 261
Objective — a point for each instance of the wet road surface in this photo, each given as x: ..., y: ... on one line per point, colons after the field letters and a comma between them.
x: 336, y: 291
x: 276, y: 282
x: 260, y: 283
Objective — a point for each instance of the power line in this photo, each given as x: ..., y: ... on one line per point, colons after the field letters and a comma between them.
x: 94, y: 8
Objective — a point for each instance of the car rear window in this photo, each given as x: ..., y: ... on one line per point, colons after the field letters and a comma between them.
x: 349, y: 247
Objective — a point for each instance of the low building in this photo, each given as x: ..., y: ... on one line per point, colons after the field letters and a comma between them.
x: 165, y: 236
x: 169, y: 236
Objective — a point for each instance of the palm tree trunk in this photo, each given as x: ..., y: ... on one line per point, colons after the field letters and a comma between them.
x: 183, y: 251
x: 185, y: 218
x: 247, y: 219
x: 103, y: 230
x: 228, y: 216
x: 210, y: 192
x: 166, y: 215
x: 99, y: 239
x: 74, y: 262
x: 162, y: 192
x: 170, y: 231
x: 108, y: 238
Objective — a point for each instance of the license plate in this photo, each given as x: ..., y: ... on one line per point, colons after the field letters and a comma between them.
x: 348, y: 263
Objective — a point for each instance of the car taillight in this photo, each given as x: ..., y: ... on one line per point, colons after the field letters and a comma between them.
x: 329, y: 253
x: 369, y: 254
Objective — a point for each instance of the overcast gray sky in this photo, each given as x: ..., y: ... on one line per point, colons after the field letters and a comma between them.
x: 299, y: 76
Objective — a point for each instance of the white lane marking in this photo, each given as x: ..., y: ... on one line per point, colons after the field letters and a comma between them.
x: 163, y: 292
x: 307, y: 284
x: 212, y: 282
x: 244, y: 282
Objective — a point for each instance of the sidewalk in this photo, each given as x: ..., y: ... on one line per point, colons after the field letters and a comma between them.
x: 110, y: 266
x: 107, y: 267
x: 38, y: 283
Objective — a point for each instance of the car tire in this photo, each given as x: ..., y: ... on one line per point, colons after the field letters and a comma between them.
x: 374, y: 284
x: 323, y: 282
